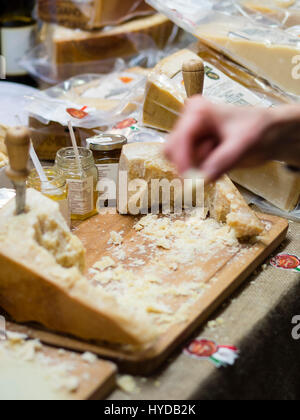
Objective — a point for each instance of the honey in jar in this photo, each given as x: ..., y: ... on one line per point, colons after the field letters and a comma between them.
x: 54, y: 188
x: 81, y: 181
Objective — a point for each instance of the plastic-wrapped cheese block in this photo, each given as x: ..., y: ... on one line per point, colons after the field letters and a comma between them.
x: 272, y: 61
x: 111, y: 97
x: 146, y: 162
x: 42, y: 279
x: 273, y: 182
x: 260, y: 44
x: 165, y: 92
x: 286, y: 12
x: 75, y: 52
x: 91, y: 13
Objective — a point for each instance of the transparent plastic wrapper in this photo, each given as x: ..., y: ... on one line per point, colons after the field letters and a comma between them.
x: 266, y: 207
x: 253, y: 40
x: 133, y: 129
x: 63, y: 52
x: 90, y: 14
x: 285, y: 12
x: 93, y: 103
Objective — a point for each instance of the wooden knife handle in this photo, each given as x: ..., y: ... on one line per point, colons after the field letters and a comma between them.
x: 193, y: 75
x: 18, y: 142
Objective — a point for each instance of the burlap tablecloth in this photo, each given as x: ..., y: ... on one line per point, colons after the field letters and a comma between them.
x: 257, y: 320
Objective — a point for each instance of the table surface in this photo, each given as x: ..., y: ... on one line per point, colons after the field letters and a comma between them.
x: 257, y: 320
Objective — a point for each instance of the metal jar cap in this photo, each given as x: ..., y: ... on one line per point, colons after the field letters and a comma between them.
x: 106, y: 142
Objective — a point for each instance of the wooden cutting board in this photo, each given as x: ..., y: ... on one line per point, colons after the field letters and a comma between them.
x: 229, y: 269
x: 96, y: 380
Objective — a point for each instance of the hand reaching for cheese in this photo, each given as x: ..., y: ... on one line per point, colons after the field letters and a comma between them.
x: 216, y: 138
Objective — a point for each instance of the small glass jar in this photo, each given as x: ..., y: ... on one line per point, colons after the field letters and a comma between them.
x: 55, y: 188
x: 107, y: 149
x: 81, y: 181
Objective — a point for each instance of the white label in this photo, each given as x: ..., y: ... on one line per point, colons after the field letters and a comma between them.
x: 15, y: 42
x: 220, y: 88
x: 81, y: 195
x: 64, y: 209
x: 109, y: 171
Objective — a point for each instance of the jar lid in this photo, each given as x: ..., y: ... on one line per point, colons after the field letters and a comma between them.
x: 106, y: 142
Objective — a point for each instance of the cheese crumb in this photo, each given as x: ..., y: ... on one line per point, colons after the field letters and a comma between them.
x: 116, y: 238
x: 127, y: 384
x: 89, y: 357
x: 104, y: 263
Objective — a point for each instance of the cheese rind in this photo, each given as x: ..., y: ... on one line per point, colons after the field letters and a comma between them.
x: 273, y: 182
x: 74, y: 52
x: 146, y: 162
x: 42, y: 279
x: 91, y: 13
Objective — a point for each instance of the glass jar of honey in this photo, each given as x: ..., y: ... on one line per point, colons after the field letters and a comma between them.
x: 81, y: 181
x: 54, y: 188
x: 107, y: 150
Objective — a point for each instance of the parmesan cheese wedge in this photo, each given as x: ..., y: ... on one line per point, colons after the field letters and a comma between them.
x: 73, y: 46
x: 273, y: 182
x: 91, y: 14
x: 42, y: 279
x: 146, y: 162
x: 276, y: 62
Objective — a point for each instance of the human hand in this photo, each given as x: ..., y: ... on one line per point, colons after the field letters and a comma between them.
x: 216, y: 138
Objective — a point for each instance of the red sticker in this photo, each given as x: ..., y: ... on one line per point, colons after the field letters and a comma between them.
x: 202, y: 348
x: 125, y: 123
x: 207, y: 349
x: 79, y: 114
x: 286, y: 262
x: 126, y: 79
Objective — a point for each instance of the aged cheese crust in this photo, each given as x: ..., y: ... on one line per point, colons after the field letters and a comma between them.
x: 92, y: 13
x: 41, y: 279
x: 223, y: 200
x: 71, y: 46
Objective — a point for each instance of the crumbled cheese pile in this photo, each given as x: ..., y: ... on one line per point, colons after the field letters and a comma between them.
x: 54, y: 375
x: 161, y: 271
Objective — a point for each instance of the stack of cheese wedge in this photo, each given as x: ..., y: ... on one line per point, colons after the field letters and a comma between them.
x: 74, y: 52
x: 91, y: 14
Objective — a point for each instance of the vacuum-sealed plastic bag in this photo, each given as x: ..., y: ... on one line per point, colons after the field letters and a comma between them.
x: 251, y: 39
x: 286, y: 12
x: 92, y: 103
x: 64, y: 52
x: 265, y: 207
x: 90, y: 14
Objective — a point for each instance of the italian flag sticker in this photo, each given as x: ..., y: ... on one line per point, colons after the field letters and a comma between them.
x: 286, y: 262
x: 220, y: 356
